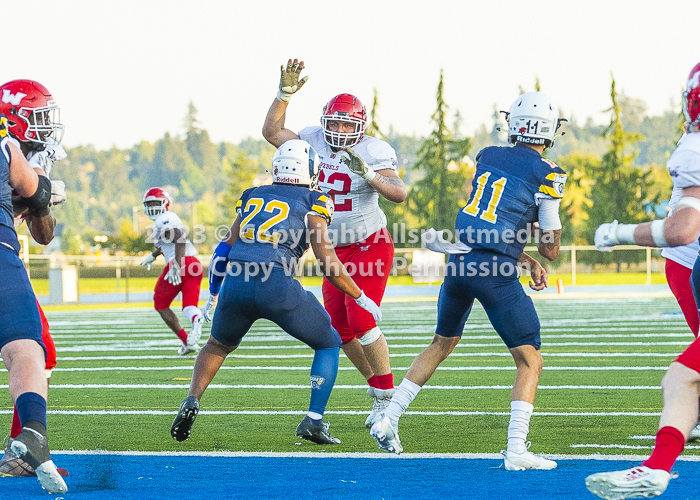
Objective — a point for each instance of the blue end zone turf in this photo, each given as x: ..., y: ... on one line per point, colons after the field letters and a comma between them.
x: 146, y: 477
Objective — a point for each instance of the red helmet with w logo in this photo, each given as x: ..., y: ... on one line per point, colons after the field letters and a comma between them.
x: 691, y: 97
x: 153, y: 209
x: 344, y: 108
x: 32, y: 114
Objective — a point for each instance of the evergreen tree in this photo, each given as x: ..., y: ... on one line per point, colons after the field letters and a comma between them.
x: 203, y: 153
x: 373, y: 129
x: 436, y: 197
x: 240, y: 170
x: 620, y: 190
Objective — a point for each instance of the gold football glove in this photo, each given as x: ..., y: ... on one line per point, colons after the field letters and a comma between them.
x: 289, y: 79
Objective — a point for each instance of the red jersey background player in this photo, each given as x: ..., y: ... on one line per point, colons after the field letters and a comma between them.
x: 355, y: 170
x: 681, y: 384
x: 182, y: 273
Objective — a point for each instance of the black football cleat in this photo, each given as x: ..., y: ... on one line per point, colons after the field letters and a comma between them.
x: 315, y: 433
x: 182, y: 425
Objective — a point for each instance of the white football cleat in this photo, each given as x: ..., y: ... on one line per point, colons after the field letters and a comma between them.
x: 387, y: 435
x: 638, y: 482
x: 196, y: 332
x: 695, y: 433
x: 382, y: 398
x: 184, y: 350
x: 526, y: 460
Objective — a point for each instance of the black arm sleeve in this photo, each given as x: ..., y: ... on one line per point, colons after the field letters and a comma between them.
x: 41, y: 199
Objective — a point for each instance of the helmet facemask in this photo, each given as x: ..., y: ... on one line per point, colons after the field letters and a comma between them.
x: 339, y: 139
x: 43, y: 124
x: 154, y: 208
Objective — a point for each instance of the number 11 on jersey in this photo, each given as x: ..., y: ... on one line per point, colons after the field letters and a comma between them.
x: 489, y: 215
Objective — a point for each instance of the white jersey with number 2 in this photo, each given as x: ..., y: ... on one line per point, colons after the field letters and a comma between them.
x: 357, y: 211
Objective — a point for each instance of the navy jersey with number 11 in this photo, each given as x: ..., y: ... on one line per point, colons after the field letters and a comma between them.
x: 508, y: 186
x: 274, y: 225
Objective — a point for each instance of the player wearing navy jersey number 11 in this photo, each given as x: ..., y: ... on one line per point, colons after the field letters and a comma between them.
x: 513, y: 188
x: 274, y: 227
x: 681, y: 384
x: 183, y: 273
x: 355, y: 170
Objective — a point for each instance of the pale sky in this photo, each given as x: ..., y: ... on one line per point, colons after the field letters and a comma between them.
x: 124, y: 71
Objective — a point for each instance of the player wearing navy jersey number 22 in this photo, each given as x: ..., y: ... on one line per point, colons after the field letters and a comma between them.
x: 681, y: 384
x: 23, y: 351
x: 274, y: 227
x: 355, y: 170
x: 182, y: 273
x: 513, y: 188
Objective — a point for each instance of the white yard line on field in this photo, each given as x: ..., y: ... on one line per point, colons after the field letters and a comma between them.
x: 341, y: 387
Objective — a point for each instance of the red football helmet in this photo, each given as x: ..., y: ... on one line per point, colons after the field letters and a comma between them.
x: 32, y: 114
x: 154, y: 210
x: 691, y: 97
x: 344, y: 108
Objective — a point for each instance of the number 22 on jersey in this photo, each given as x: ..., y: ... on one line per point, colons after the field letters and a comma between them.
x: 263, y: 234
x: 489, y: 215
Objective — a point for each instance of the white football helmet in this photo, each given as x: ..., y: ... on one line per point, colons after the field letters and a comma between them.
x: 296, y: 162
x: 533, y: 119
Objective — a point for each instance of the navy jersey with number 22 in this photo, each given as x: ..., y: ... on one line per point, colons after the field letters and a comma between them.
x: 508, y: 186
x: 273, y: 223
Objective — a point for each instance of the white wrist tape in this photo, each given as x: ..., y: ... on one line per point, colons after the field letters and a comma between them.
x: 371, y: 336
x: 371, y: 174
x: 657, y: 233
x: 625, y: 233
x: 283, y: 96
x: 687, y: 202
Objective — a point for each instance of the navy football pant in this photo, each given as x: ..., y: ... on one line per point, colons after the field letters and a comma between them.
x: 19, y: 314
x: 492, y: 279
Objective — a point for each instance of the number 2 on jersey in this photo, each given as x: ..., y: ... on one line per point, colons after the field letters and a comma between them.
x: 263, y: 235
x: 345, y: 184
x: 489, y: 215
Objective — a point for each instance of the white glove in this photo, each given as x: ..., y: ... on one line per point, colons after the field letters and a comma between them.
x: 613, y: 233
x: 173, y: 275
x: 45, y: 159
x: 369, y: 305
x: 606, y: 236
x: 209, y: 307
x: 289, y: 80
x: 148, y: 261
x: 58, y: 192
x: 357, y: 165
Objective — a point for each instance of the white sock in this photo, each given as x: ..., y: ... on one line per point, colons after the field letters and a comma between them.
x: 191, y: 312
x: 314, y: 416
x: 405, y: 393
x: 519, y: 426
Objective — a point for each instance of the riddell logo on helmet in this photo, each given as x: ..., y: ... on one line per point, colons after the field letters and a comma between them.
x: 288, y: 180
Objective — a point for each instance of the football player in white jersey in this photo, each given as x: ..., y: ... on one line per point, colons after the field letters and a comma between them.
x: 355, y: 170
x: 681, y: 384
x: 183, y: 272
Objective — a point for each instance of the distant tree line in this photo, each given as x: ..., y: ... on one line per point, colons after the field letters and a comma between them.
x: 615, y: 171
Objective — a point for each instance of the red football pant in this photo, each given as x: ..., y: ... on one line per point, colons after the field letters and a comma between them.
x: 369, y: 263
x: 50, y: 365
x: 192, y: 273
x: 678, y: 277
x: 691, y: 356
